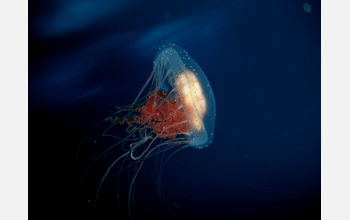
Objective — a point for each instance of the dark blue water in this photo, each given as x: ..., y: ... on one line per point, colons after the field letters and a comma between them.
x: 263, y: 60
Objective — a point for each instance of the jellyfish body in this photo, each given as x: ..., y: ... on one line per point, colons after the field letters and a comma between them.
x: 182, y: 101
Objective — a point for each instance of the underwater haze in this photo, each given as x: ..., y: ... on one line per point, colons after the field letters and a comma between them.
x: 263, y: 62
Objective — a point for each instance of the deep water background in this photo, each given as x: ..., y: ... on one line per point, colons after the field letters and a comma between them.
x: 263, y: 60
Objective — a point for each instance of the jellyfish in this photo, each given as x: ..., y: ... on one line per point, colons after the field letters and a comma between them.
x: 175, y: 109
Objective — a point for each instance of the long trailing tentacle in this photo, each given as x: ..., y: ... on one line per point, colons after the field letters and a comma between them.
x: 104, y: 176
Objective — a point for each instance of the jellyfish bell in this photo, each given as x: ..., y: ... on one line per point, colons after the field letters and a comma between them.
x: 193, y: 91
x: 175, y: 109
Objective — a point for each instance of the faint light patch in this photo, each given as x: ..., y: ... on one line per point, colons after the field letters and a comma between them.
x: 60, y: 87
x: 63, y: 77
x: 88, y: 92
x: 75, y: 15
x: 163, y: 34
x: 307, y: 7
x: 201, y: 26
